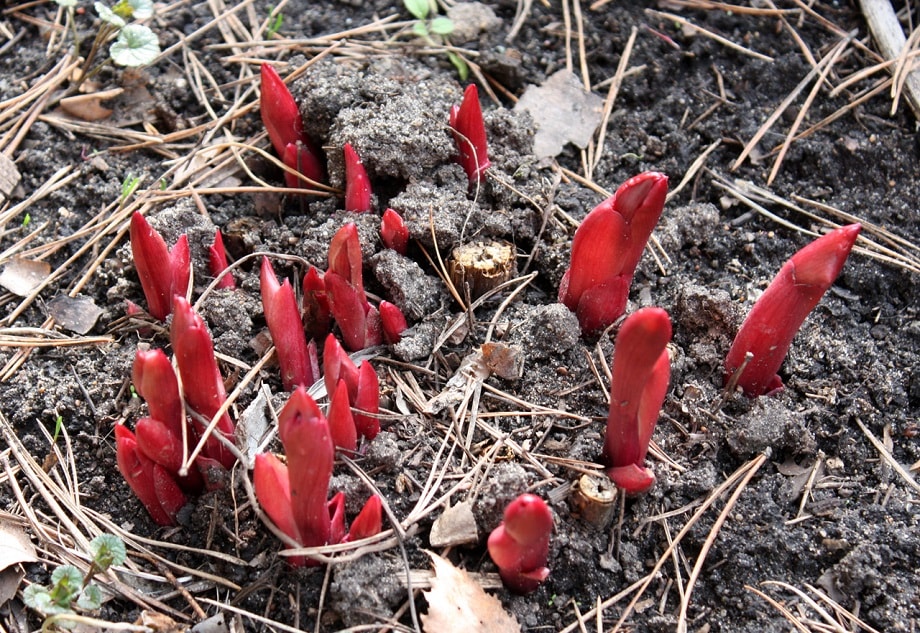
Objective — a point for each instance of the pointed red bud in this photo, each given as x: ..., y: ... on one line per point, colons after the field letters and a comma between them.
x: 310, y: 454
x: 341, y: 420
x: 345, y: 257
x: 162, y: 272
x: 159, y: 443
x: 217, y: 262
x: 304, y: 159
x: 316, y: 315
x: 369, y: 521
x: 155, y: 381
x: 520, y: 545
x: 273, y: 490
x: 393, y: 232
x: 780, y: 311
x: 392, y: 321
x: 284, y: 124
x: 336, y: 510
x: 350, y: 309
x: 283, y: 317
x: 337, y: 365
x: 606, y: 250
x: 367, y: 402
x: 280, y: 113
x: 201, y: 380
x: 357, y: 184
x: 469, y: 133
x: 639, y: 383
x: 150, y: 483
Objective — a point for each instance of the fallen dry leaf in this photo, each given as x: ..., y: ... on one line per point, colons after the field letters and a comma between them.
x: 21, y: 276
x: 457, y: 604
x: 563, y: 111
x: 456, y: 526
x: 89, y: 106
x: 15, y: 548
x: 77, y: 314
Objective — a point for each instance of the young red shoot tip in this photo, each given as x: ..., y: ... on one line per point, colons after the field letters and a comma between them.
x: 392, y: 321
x: 310, y: 454
x: 155, y: 381
x: 217, y: 262
x: 284, y: 125
x: 768, y: 330
x: 369, y: 521
x: 316, y: 315
x: 155, y: 488
x: 280, y: 113
x: 607, y: 248
x: 469, y: 132
x: 341, y: 420
x: 641, y: 370
x: 393, y: 232
x: 286, y: 328
x: 163, y: 272
x: 357, y: 183
x: 201, y: 379
x: 520, y: 545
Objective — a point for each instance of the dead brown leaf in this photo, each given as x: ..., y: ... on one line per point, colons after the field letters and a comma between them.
x: 21, y: 276
x: 457, y: 604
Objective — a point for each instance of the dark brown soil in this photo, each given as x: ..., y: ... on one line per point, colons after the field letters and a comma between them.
x: 855, y: 536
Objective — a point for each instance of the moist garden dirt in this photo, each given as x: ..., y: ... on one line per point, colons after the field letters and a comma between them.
x: 780, y: 507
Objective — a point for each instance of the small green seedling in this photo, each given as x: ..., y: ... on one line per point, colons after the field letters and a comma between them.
x: 434, y: 29
x: 70, y: 589
x: 58, y: 425
x: 134, y: 44
x: 275, y: 24
x: 128, y: 186
x: 27, y: 220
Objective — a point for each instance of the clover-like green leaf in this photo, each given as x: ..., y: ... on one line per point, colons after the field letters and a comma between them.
x: 107, y: 550
x: 142, y: 9
x: 136, y: 45
x: 91, y: 598
x: 420, y: 29
x: 37, y: 597
x: 418, y: 8
x: 107, y: 15
x: 442, y: 25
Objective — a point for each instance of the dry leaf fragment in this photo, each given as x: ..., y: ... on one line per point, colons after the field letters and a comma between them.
x: 456, y: 526
x: 563, y: 111
x: 457, y: 604
x: 21, y: 276
x: 9, y: 176
x: 15, y: 548
x: 89, y: 106
x: 77, y: 314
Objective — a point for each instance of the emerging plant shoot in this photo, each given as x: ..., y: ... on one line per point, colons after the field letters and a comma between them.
x: 520, y: 545
x: 606, y: 250
x: 780, y: 311
x: 641, y: 370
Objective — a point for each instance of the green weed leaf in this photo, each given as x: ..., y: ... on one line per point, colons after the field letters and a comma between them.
x: 420, y: 29
x: 142, y: 9
x: 107, y: 15
x: 136, y: 45
x: 91, y: 598
x: 418, y: 8
x: 107, y: 550
x: 442, y: 26
x: 463, y: 70
x: 37, y: 597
